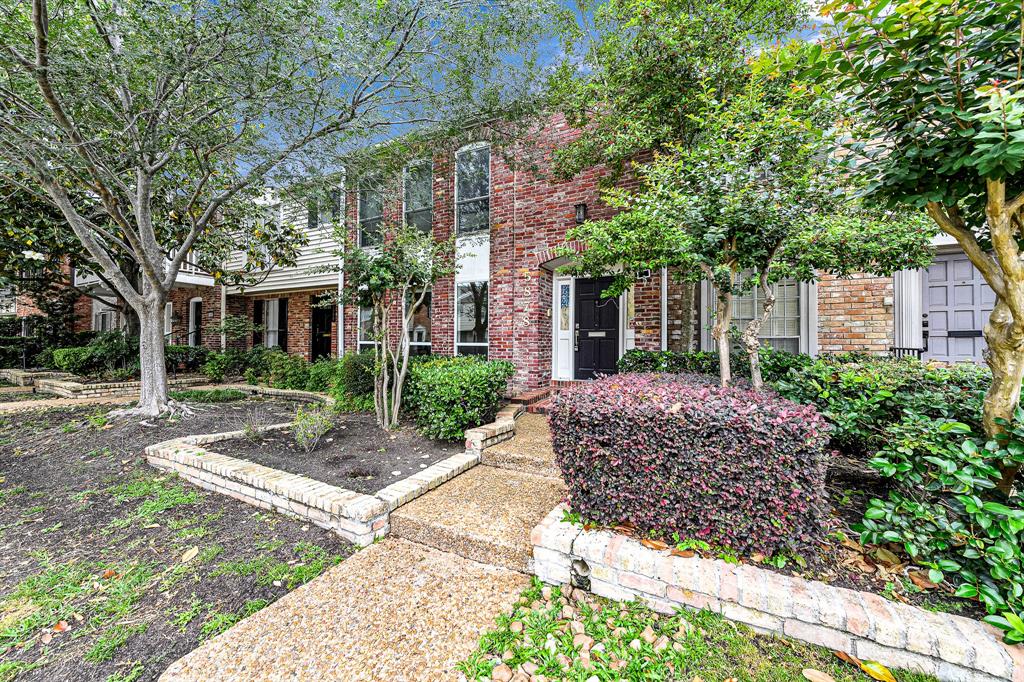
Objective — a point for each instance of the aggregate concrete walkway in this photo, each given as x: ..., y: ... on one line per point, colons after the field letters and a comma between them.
x: 406, y: 609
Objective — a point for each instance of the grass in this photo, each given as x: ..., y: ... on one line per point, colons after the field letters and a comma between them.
x: 631, y: 642
x: 130, y: 675
x: 107, y: 644
x: 312, y: 561
x: 219, y: 621
x: 209, y: 395
x: 158, y: 494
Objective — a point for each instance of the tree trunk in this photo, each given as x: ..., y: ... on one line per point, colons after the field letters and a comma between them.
x: 752, y: 333
x: 153, y: 398
x: 720, y: 332
x: 1005, y: 357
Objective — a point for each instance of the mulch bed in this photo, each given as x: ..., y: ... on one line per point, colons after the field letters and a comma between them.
x: 110, y: 567
x: 356, y: 454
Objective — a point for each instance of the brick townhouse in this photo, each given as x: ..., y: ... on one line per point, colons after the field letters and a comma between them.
x: 508, y: 300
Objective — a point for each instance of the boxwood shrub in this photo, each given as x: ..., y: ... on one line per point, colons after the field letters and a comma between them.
x: 740, y: 469
x: 450, y: 395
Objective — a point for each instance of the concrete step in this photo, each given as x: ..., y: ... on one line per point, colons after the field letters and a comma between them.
x: 485, y: 514
x: 529, y: 451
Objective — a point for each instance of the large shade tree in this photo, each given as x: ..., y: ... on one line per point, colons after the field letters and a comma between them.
x: 933, y: 91
x: 171, y: 118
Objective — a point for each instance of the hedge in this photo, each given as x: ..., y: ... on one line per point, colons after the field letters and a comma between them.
x: 739, y: 469
x: 775, y: 364
x: 450, y: 395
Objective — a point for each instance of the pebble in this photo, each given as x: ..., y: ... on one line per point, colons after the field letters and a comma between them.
x: 635, y: 645
x: 648, y: 635
x: 576, y: 627
x: 530, y: 667
x: 568, y: 612
x: 396, y: 473
x: 563, y: 661
x: 619, y: 632
x: 502, y: 673
x: 597, y: 648
x: 661, y: 644
x: 582, y: 641
x: 516, y: 626
x: 507, y: 656
x: 546, y: 593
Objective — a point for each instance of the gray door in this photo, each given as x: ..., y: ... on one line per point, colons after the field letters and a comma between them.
x: 957, y: 302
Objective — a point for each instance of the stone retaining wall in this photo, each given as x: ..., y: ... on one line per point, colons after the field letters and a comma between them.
x: 113, y: 389
x: 949, y: 647
x: 27, y: 377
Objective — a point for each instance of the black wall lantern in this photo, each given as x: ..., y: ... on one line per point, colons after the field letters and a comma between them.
x: 581, y: 214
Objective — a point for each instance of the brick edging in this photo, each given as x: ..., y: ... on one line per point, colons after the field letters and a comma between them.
x: 111, y: 389
x: 26, y: 377
x: 950, y: 647
x: 501, y: 429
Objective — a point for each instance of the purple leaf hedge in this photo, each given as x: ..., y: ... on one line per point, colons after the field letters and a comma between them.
x: 676, y: 453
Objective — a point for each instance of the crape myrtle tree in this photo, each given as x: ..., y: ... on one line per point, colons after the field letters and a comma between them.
x: 753, y: 199
x: 636, y: 73
x: 933, y: 94
x: 393, y: 280
x: 171, y: 118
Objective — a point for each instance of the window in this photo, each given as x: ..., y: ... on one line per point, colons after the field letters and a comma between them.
x: 371, y: 215
x: 366, y: 338
x: 168, y: 321
x: 103, y: 321
x: 473, y: 190
x: 419, y: 199
x: 195, y: 322
x: 271, y: 316
x: 419, y: 328
x: 781, y: 330
x: 471, y: 318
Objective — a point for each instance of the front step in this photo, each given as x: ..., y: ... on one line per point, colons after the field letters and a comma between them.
x: 529, y: 451
x: 485, y: 514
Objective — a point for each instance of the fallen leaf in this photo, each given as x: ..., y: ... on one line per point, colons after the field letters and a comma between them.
x: 626, y: 530
x: 109, y: 573
x: 920, y: 578
x: 684, y: 553
x: 853, y: 544
x: 46, y: 638
x: 877, y: 671
x: 61, y: 626
x: 816, y: 675
x: 757, y: 558
x: 189, y: 555
x: 843, y: 656
x: 885, y: 556
x: 654, y: 544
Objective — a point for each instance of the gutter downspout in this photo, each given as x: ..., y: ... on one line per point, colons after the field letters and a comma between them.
x: 664, y: 308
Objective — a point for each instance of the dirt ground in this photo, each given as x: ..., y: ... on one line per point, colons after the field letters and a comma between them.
x: 111, y: 570
x: 355, y: 454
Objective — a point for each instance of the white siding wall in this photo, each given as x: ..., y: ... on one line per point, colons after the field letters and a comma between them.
x: 319, y: 252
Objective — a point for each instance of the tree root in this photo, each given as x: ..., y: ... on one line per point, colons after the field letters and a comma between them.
x: 171, y: 409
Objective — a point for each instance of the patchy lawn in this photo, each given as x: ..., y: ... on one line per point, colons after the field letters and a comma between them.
x: 585, y: 637
x: 111, y: 570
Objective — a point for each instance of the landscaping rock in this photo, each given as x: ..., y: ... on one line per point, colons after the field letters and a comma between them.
x: 501, y: 673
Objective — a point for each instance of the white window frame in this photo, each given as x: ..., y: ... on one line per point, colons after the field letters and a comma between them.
x: 360, y: 220
x: 361, y: 343
x: 808, y: 293
x: 272, y: 335
x: 476, y: 344
x: 425, y: 163
x: 460, y: 200
x: 168, y: 321
x: 103, y: 321
x: 192, y: 322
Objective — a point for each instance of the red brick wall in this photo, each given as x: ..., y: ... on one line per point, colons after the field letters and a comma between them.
x: 855, y: 313
x: 179, y: 298
x: 300, y: 319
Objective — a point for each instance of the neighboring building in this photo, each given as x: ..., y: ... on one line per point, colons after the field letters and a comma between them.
x: 508, y: 300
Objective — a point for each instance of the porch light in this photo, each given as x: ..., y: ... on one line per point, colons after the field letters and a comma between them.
x: 581, y: 214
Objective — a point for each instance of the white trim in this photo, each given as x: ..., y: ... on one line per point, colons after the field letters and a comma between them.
x: 808, y: 292
x: 624, y: 342
x: 908, y: 308
x: 664, y: 308
x: 455, y: 318
x: 168, y: 321
x: 192, y: 326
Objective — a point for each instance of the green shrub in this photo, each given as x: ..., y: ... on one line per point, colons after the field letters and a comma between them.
x: 114, y: 350
x: 254, y: 364
x: 450, y: 395
x: 74, y: 360
x: 310, y: 425
x: 863, y: 395
x: 322, y: 375
x: 354, y: 375
x: 943, y: 507
x: 215, y: 367
x: 209, y: 395
x: 288, y: 371
x: 187, y: 358
x: 775, y: 364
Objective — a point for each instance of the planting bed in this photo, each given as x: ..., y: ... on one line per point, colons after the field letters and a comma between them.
x: 109, y: 567
x: 355, y: 454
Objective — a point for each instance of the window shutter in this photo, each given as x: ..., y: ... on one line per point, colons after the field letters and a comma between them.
x: 282, y: 323
x: 257, y: 319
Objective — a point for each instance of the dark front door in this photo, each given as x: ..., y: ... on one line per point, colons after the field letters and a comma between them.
x: 597, y: 329
x: 323, y: 320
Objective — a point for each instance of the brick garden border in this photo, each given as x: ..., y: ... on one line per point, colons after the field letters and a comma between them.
x: 66, y: 388
x: 950, y: 647
x: 27, y: 377
x: 357, y: 517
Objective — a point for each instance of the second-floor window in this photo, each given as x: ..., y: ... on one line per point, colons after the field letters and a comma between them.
x: 371, y: 216
x: 473, y: 190
x: 419, y: 199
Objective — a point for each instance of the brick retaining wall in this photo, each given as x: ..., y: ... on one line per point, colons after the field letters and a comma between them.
x: 949, y: 647
x: 27, y: 377
x: 114, y: 389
